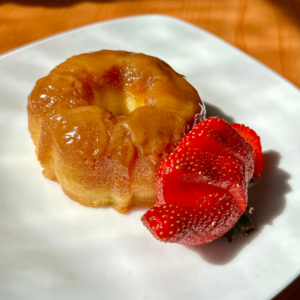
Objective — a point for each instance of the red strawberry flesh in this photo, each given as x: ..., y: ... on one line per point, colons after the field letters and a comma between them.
x: 216, y: 136
x: 195, y: 224
x: 191, y: 175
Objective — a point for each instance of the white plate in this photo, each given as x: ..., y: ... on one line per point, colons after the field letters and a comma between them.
x: 53, y: 248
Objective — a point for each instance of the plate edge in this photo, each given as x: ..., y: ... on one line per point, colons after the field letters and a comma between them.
x: 145, y: 16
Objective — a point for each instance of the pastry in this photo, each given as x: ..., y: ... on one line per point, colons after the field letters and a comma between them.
x: 102, y: 122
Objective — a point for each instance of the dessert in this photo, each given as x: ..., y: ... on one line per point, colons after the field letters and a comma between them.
x: 102, y: 123
x: 202, y: 185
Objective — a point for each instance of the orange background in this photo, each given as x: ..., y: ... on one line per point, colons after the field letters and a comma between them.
x: 268, y: 30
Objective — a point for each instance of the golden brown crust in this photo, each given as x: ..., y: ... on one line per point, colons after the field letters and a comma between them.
x: 102, y: 122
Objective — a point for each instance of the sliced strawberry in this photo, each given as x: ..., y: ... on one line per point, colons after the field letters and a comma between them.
x: 199, y: 223
x: 189, y: 175
x: 216, y: 136
x: 170, y: 223
x: 254, y: 140
x: 202, y: 186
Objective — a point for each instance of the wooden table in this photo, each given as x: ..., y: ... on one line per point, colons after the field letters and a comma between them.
x: 268, y: 30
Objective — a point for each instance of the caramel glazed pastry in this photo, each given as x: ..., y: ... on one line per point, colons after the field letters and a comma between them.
x: 102, y: 122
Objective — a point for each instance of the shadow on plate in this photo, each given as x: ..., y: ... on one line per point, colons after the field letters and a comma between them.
x: 268, y: 199
x: 213, y: 111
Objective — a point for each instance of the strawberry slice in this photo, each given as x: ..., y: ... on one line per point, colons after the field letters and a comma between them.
x: 216, y: 136
x: 188, y: 225
x: 254, y: 140
x: 189, y: 175
x: 170, y: 223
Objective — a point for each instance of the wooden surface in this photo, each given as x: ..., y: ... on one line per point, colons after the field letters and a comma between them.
x: 268, y: 30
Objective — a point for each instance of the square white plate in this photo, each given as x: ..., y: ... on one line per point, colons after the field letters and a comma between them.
x: 53, y: 248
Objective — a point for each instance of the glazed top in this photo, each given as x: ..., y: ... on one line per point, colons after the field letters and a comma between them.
x: 98, y: 103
